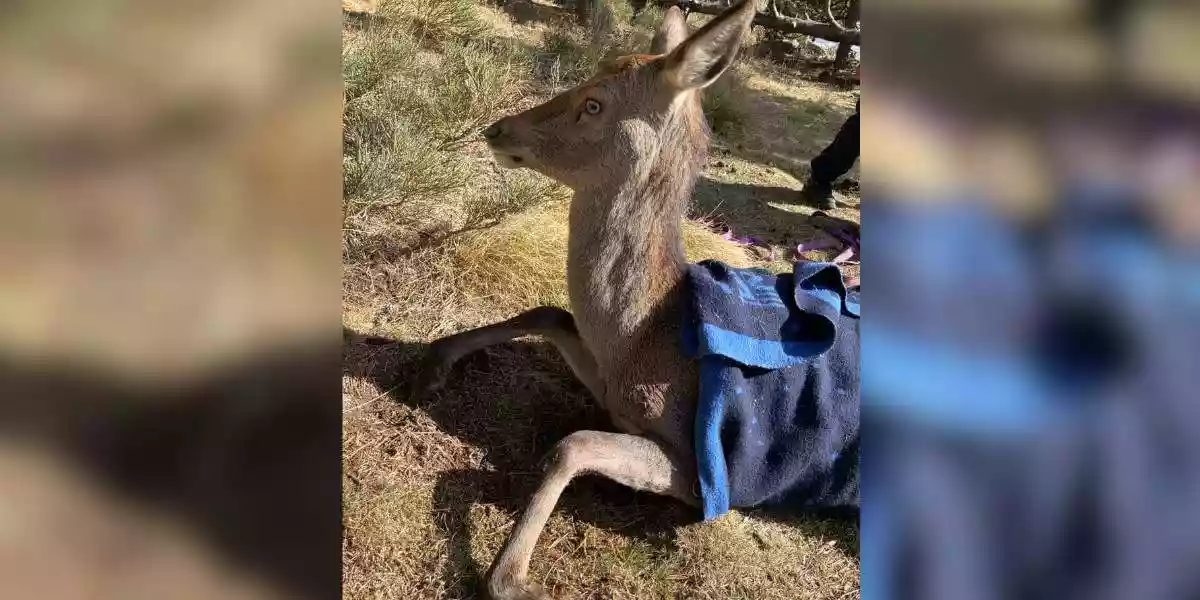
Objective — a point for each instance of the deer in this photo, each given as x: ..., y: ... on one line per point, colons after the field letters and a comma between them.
x: 631, y: 143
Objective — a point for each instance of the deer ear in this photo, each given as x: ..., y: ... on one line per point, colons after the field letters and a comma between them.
x: 702, y: 58
x: 671, y: 32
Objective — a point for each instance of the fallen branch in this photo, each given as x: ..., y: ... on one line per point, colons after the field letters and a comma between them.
x: 825, y: 31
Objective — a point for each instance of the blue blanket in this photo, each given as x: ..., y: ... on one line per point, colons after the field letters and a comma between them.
x: 777, y: 419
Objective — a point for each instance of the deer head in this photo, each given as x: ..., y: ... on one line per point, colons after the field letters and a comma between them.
x: 637, y: 113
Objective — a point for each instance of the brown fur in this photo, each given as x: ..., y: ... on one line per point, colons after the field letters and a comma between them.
x: 633, y: 165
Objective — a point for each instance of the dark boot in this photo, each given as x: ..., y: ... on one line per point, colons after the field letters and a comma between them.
x: 819, y: 195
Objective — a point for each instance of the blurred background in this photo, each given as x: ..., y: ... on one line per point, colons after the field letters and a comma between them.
x: 169, y: 184
x: 1032, y: 336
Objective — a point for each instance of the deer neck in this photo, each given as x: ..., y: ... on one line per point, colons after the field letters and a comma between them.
x: 625, y: 255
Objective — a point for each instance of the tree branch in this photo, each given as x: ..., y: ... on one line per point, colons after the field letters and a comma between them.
x: 825, y: 31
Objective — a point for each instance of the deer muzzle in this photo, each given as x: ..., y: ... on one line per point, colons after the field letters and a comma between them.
x: 507, y: 154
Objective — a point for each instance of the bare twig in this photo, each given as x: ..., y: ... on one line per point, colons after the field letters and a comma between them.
x: 817, y: 29
x: 832, y: 19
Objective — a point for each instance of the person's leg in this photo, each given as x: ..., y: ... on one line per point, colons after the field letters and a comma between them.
x: 834, y: 161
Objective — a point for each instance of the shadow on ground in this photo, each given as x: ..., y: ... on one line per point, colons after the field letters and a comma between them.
x: 773, y: 214
x: 516, y: 426
x: 748, y: 211
x: 524, y: 12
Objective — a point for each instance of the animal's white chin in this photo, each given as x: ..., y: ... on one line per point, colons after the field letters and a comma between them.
x: 509, y: 161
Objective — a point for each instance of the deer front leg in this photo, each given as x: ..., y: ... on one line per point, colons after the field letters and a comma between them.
x: 555, y: 324
x: 635, y: 461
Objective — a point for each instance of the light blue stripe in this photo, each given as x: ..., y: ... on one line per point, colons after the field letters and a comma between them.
x: 837, y: 298
x: 767, y: 354
x: 831, y: 298
x: 712, y: 470
x: 948, y: 387
x: 852, y: 305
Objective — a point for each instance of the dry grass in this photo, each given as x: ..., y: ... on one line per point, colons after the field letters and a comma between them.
x: 437, y: 241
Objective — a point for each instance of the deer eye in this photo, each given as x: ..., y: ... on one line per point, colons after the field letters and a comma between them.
x: 592, y: 107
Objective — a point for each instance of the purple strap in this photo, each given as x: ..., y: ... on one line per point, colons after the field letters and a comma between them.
x: 822, y: 241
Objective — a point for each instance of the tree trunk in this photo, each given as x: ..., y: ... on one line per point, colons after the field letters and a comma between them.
x: 816, y: 29
x: 843, y: 50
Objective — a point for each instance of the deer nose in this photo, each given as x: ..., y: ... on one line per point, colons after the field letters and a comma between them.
x: 492, y: 131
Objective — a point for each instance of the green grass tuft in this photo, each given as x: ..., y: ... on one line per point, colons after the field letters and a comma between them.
x: 436, y: 21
